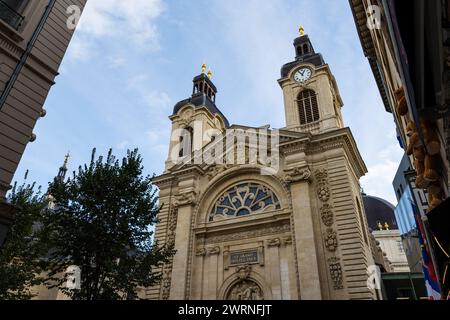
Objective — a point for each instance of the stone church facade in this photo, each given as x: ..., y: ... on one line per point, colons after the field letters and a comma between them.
x: 298, y: 233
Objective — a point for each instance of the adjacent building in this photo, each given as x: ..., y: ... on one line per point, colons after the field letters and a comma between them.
x: 34, y: 36
x: 407, y: 45
x: 383, y: 226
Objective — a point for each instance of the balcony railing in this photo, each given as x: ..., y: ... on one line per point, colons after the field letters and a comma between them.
x: 10, y: 16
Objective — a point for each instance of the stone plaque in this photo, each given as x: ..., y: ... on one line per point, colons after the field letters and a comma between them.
x: 244, y: 257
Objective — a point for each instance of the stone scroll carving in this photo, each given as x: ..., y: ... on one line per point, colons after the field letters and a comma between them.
x: 331, y: 241
x: 335, y: 267
x: 330, y: 237
x: 326, y: 214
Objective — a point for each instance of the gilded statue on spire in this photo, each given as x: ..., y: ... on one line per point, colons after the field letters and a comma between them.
x: 301, y: 30
x: 204, y: 68
x: 209, y: 73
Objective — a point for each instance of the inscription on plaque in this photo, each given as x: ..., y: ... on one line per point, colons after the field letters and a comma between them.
x: 244, y: 257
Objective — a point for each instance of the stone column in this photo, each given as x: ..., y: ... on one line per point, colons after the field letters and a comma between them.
x: 210, y: 273
x: 306, y: 246
x: 273, y: 267
x: 180, y: 264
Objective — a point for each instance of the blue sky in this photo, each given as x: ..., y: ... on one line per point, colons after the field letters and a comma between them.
x: 131, y: 61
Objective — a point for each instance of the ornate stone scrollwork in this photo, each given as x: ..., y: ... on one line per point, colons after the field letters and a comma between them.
x: 326, y: 214
x: 166, y: 282
x: 296, y: 175
x: 287, y: 240
x: 323, y: 192
x: 217, y: 169
x: 200, y: 252
x: 331, y: 241
x: 276, y: 242
x: 214, y: 250
x: 335, y: 267
x: 185, y: 199
x: 243, y: 272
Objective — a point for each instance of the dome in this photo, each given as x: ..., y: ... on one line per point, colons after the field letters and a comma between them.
x: 379, y: 211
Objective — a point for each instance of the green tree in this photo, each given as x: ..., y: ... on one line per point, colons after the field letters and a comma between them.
x: 101, y: 223
x: 20, y: 266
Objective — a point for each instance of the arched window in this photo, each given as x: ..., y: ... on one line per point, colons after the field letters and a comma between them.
x: 305, y: 48
x: 186, y: 141
x: 307, y: 107
x: 299, y: 51
x: 244, y: 199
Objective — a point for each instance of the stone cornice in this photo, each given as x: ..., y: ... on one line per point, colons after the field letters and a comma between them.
x: 244, y: 223
x: 335, y: 139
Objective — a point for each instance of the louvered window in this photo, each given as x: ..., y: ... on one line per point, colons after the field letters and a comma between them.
x: 308, y: 108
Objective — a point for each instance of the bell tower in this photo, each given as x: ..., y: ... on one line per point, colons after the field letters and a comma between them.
x: 311, y: 97
x: 196, y: 120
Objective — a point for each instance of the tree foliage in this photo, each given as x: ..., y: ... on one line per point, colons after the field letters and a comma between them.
x: 20, y: 256
x: 101, y: 222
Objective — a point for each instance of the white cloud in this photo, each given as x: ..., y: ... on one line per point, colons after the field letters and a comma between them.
x: 132, y: 20
x: 81, y: 49
x: 382, y: 169
x: 117, y: 17
x: 122, y: 145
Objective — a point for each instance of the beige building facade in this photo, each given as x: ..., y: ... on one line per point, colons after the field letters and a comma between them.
x: 34, y: 36
x: 390, y: 243
x: 285, y: 224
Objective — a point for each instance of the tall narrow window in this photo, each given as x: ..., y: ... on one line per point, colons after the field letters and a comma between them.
x: 186, y: 141
x: 307, y: 107
x: 11, y: 12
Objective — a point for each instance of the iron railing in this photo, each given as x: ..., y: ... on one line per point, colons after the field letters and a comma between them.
x: 10, y: 16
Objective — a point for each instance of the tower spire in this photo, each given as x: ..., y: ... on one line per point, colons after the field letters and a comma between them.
x: 63, y: 169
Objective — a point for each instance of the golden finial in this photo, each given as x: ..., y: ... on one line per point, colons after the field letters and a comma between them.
x: 209, y: 74
x: 204, y: 68
x: 380, y: 226
x: 301, y: 30
x: 386, y: 225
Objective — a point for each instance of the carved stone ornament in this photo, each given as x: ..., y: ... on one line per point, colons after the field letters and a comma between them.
x: 297, y: 174
x: 166, y: 282
x: 287, y: 240
x: 323, y: 192
x: 200, y: 252
x: 217, y: 169
x: 276, y: 242
x: 214, y: 250
x: 243, y: 272
x: 331, y: 241
x: 245, y: 290
x: 185, y: 199
x: 326, y: 214
x: 336, y: 272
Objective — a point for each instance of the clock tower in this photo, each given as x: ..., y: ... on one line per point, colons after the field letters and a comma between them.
x: 311, y: 97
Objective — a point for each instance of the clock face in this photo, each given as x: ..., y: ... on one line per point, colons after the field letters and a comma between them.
x: 303, y: 75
